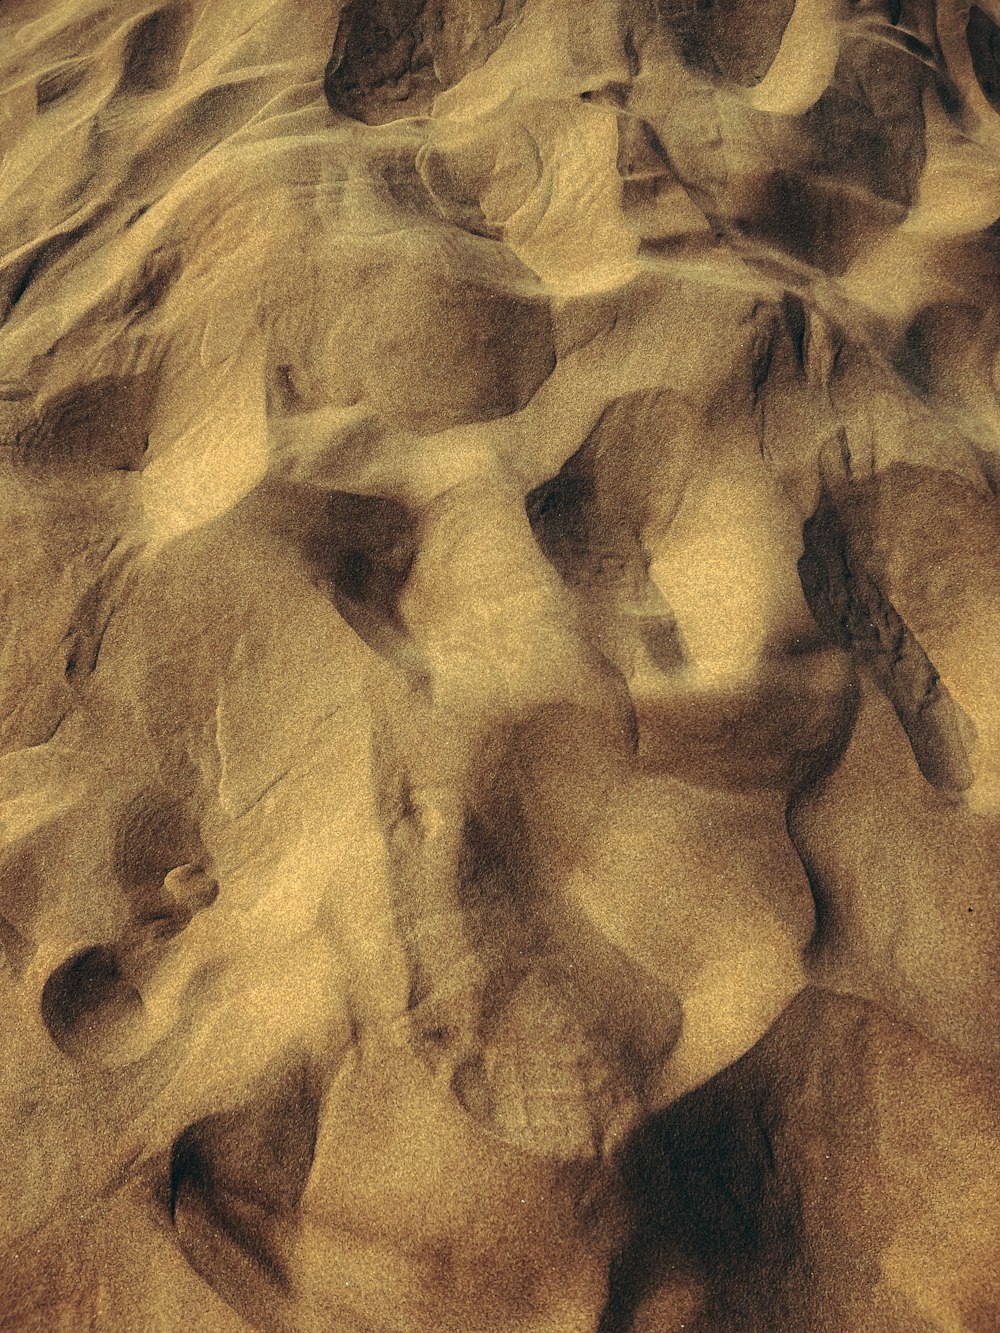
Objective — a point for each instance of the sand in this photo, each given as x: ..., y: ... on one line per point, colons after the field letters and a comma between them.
x: 500, y: 692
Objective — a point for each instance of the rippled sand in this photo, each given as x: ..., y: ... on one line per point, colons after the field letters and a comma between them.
x: 500, y: 693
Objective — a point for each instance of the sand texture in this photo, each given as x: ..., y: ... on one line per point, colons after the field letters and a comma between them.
x: 500, y: 676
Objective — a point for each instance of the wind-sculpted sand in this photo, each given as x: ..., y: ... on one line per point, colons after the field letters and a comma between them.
x: 500, y: 694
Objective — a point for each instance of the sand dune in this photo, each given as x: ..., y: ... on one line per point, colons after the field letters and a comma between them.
x: 500, y: 708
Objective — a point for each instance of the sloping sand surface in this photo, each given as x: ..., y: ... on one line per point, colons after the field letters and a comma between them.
x: 500, y: 679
